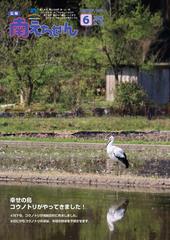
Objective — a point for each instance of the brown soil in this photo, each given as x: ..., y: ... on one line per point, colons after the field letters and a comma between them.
x: 124, y: 182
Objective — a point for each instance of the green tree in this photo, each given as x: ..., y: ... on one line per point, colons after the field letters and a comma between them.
x: 21, y: 58
x: 65, y: 69
x: 88, y: 68
x: 27, y: 62
x: 125, y: 29
x: 128, y: 27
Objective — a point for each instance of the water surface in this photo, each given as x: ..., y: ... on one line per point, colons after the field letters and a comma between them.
x: 145, y: 216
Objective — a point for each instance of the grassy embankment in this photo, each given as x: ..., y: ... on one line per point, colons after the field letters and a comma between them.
x: 30, y: 125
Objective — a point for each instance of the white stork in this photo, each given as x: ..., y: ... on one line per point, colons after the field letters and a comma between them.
x: 115, y: 153
x: 116, y: 213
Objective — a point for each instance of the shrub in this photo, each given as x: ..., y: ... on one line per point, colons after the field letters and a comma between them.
x: 130, y: 99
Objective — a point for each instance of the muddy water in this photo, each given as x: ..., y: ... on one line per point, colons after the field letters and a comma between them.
x: 42, y: 212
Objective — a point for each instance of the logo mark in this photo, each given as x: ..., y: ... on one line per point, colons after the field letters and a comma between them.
x: 21, y: 28
x: 33, y: 13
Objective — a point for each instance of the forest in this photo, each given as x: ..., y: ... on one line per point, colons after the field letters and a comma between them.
x: 67, y: 73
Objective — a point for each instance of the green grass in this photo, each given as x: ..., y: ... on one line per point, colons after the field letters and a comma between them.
x: 80, y: 140
x: 8, y: 125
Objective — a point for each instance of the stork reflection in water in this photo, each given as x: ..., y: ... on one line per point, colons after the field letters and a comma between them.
x: 115, y: 213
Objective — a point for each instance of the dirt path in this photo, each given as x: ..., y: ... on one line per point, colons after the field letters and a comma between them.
x: 108, y: 181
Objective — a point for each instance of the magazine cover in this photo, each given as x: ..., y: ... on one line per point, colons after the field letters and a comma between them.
x: 85, y: 120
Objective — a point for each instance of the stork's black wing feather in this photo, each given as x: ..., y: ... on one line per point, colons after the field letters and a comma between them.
x: 123, y: 160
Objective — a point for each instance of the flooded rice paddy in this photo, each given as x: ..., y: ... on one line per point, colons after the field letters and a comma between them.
x: 49, y: 213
